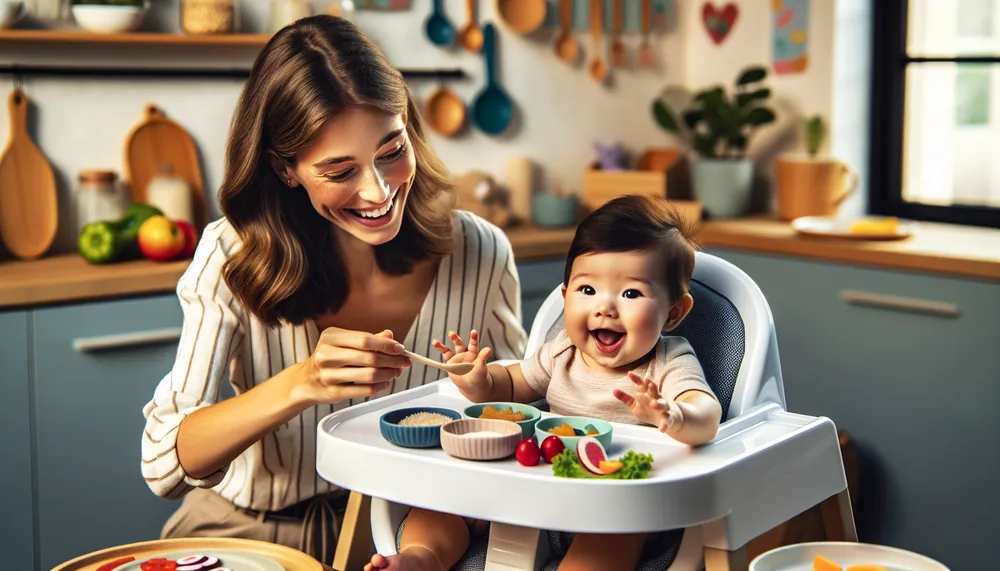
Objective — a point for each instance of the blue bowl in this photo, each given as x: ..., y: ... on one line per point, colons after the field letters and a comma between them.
x: 531, y: 414
x: 578, y: 423
x: 413, y: 436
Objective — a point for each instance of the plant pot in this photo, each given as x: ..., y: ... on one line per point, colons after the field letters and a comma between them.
x: 811, y: 187
x: 722, y: 186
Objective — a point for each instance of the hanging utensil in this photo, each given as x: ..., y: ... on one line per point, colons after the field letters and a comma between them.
x: 523, y: 16
x: 598, y: 69
x: 438, y: 28
x: 471, y: 36
x: 493, y: 110
x: 566, y: 47
x: 646, y: 57
x: 619, y: 55
x: 29, y: 213
x: 445, y: 111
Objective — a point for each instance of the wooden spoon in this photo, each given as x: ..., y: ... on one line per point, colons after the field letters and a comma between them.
x: 29, y: 213
x: 445, y: 111
x: 598, y: 69
x: 619, y: 56
x: 471, y: 36
x: 454, y: 368
x: 645, y: 51
x: 566, y: 46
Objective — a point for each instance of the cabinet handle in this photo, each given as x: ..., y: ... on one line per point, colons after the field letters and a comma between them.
x: 108, y: 342
x: 910, y: 304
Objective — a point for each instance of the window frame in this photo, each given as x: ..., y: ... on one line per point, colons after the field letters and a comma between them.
x: 888, y: 97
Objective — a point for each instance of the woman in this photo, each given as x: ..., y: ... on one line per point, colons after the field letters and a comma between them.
x: 338, y: 248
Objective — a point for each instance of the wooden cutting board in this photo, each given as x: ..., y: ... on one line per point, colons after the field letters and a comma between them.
x: 155, y: 141
x: 29, y: 212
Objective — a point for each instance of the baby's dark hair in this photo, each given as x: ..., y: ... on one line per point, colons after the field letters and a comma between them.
x: 635, y: 223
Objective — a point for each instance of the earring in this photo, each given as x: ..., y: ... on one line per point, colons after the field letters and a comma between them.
x: 289, y: 182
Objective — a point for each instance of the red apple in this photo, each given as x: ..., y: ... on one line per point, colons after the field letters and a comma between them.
x: 190, y: 237
x: 160, y: 239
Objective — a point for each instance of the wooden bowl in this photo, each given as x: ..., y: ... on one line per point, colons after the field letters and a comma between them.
x: 480, y: 439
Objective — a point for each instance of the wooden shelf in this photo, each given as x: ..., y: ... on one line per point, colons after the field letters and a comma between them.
x: 153, y: 38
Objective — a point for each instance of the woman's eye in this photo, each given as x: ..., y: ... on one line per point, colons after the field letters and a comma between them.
x: 586, y: 290
x: 341, y: 176
x: 632, y: 294
x: 395, y: 154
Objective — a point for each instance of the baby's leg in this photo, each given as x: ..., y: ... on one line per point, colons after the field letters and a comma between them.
x: 604, y: 552
x: 431, y: 541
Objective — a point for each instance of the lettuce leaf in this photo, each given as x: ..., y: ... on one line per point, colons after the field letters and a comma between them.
x: 635, y: 466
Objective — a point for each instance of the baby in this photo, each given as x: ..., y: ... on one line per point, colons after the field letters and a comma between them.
x: 626, y: 282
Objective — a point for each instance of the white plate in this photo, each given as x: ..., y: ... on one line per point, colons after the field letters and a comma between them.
x: 230, y: 559
x: 830, y: 227
x: 799, y: 557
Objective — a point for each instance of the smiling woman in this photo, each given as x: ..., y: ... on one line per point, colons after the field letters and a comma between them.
x: 339, y: 248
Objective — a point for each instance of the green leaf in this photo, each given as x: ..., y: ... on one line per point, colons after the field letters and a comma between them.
x: 814, y: 134
x: 743, y: 99
x: 664, y: 117
x: 751, y: 75
x: 711, y: 98
x: 704, y: 145
x: 759, y: 116
x: 692, y: 117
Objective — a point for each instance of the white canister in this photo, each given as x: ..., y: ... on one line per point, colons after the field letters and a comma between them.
x: 284, y: 12
x: 98, y: 198
x: 171, y: 194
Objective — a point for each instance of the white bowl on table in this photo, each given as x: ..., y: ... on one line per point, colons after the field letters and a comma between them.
x: 109, y: 19
x: 800, y: 556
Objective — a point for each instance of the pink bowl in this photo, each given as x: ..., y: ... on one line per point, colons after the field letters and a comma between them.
x: 480, y: 439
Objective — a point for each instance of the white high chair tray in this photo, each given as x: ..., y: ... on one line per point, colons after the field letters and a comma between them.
x: 764, y: 455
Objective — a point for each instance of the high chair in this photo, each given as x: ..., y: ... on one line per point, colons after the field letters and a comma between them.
x: 765, y: 466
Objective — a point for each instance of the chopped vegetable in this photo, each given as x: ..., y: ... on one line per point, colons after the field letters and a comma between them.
x: 635, y: 466
x: 821, y: 563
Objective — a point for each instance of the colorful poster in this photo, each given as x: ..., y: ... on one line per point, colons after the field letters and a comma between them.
x: 790, y: 35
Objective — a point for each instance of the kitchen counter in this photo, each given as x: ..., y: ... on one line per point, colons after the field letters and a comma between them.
x: 936, y: 248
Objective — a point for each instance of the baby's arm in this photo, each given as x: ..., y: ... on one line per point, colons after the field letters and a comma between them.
x: 702, y: 415
x: 508, y: 384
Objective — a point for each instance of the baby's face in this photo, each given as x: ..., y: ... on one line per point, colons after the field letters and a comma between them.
x: 615, y: 307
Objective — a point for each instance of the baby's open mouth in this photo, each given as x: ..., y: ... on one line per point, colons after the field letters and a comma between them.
x: 608, y: 340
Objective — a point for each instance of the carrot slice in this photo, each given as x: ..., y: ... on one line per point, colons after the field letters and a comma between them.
x: 821, y: 563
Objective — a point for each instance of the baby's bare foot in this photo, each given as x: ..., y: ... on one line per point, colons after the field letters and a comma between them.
x: 410, y: 559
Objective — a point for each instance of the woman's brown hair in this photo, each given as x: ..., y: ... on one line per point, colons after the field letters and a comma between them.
x: 288, y: 267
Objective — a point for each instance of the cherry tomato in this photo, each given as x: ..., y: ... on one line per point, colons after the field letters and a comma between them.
x: 552, y: 447
x: 527, y: 452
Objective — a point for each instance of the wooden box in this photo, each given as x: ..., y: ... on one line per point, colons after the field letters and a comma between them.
x: 601, y: 186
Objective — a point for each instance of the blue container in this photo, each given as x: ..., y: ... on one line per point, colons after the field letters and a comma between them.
x: 550, y: 211
x: 413, y: 436
x: 580, y: 423
x: 531, y: 414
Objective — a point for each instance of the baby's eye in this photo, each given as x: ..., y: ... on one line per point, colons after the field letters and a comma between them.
x: 632, y: 294
x: 586, y: 290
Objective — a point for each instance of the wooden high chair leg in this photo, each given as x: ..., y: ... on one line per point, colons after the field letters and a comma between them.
x: 722, y: 560
x: 355, y: 546
x: 838, y: 518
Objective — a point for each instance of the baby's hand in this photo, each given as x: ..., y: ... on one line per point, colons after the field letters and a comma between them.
x: 475, y: 384
x: 648, y: 407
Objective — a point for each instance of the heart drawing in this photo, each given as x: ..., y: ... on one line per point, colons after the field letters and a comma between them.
x: 719, y: 22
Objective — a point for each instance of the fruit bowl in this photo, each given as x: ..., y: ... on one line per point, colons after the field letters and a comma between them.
x: 531, y: 414
x: 480, y: 438
x: 579, y: 424
x: 415, y: 436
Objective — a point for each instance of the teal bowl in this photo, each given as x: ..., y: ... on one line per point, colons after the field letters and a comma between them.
x: 413, y: 436
x: 531, y: 414
x: 579, y: 423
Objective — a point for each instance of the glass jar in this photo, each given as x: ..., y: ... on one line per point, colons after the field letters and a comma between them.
x: 98, y: 198
x: 208, y: 16
x: 171, y: 194
x: 284, y: 12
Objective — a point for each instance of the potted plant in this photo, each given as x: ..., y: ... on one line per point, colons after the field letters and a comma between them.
x: 809, y: 184
x: 718, y: 128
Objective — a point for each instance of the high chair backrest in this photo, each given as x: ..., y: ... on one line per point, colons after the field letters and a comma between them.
x: 730, y: 327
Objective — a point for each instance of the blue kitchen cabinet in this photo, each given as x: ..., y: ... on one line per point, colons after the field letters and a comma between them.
x: 16, y: 525
x: 918, y: 392
x: 95, y: 366
x: 538, y: 279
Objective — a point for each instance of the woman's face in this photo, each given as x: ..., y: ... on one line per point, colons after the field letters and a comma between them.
x: 358, y: 173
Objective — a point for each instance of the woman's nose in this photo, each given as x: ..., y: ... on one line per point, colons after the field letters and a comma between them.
x: 373, y: 187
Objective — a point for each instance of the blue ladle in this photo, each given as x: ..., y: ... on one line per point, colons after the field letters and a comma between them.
x: 493, y: 110
x: 438, y: 28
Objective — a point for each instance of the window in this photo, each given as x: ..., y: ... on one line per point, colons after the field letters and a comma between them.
x: 935, y: 132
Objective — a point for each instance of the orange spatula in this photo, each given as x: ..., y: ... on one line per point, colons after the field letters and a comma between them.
x: 29, y: 214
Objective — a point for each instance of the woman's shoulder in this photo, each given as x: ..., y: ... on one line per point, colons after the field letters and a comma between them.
x: 218, y: 241
x: 472, y: 229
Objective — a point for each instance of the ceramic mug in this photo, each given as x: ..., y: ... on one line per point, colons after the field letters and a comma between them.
x: 10, y: 12
x: 812, y: 187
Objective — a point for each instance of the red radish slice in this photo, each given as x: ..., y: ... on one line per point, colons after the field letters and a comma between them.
x: 591, y: 453
x: 195, y: 567
x: 191, y: 559
x: 210, y: 562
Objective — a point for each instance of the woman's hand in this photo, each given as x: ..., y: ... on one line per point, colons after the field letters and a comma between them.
x: 648, y: 407
x: 476, y: 385
x: 349, y: 364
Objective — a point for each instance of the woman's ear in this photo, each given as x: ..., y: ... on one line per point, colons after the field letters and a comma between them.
x: 282, y: 169
x: 679, y: 311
